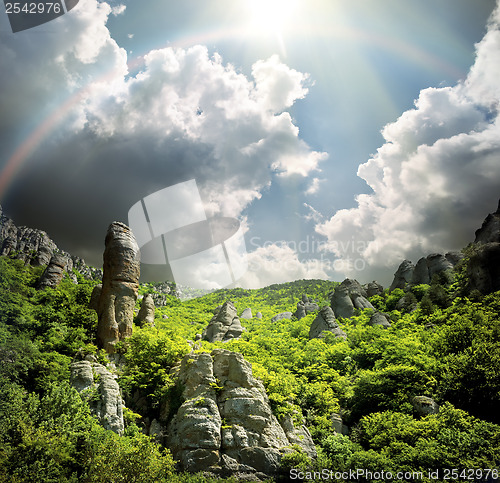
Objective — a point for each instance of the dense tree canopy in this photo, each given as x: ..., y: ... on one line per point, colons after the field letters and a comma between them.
x: 441, y: 344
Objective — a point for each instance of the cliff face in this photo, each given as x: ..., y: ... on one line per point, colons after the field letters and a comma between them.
x: 483, y: 269
x: 34, y: 247
x: 225, y: 423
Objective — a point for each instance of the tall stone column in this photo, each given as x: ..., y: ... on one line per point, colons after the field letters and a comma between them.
x: 120, y: 284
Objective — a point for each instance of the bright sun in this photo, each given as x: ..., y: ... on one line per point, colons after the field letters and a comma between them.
x: 270, y: 16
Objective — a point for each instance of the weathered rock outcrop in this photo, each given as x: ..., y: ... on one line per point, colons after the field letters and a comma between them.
x: 380, y: 319
x: 424, y: 405
x: 225, y: 423
x: 225, y: 324
x: 338, y: 424
x: 95, y: 383
x: 146, y: 315
x: 490, y: 229
x: 408, y: 274
x: 281, y: 316
x: 373, y: 288
x: 403, y: 275
x: 119, y: 287
x: 325, y: 322
x: 483, y: 268
x: 54, y: 273
x: 349, y: 295
x: 246, y: 314
x: 34, y: 247
x: 304, y: 307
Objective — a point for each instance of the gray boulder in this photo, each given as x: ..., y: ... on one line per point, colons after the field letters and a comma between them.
x: 373, y: 288
x: 54, y: 273
x: 311, y: 307
x: 325, y: 322
x: 225, y: 420
x: 424, y: 405
x: 99, y: 387
x: 246, y: 314
x: 224, y: 325
x: 438, y: 263
x: 421, y: 273
x: 146, y: 315
x: 380, y: 319
x: 282, y: 315
x: 258, y: 315
x: 349, y: 295
x: 300, y: 313
x: 338, y: 424
x: 403, y: 275
x: 426, y: 267
x: 305, y: 306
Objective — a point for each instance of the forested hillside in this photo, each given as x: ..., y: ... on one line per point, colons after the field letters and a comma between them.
x: 441, y: 344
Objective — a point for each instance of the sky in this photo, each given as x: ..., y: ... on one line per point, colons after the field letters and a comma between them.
x: 343, y: 136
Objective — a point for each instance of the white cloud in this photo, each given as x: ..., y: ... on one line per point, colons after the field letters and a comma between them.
x: 118, y: 10
x: 314, y: 186
x: 273, y: 263
x: 40, y: 68
x: 188, y: 94
x: 277, y: 86
x: 436, y: 177
x: 185, y: 115
x: 313, y: 214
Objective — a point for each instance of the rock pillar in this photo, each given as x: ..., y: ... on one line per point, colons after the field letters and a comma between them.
x: 120, y: 283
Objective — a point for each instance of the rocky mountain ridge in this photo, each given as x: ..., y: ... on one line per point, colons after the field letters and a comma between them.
x: 34, y: 247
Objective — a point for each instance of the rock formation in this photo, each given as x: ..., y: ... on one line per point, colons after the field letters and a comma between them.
x: 483, y: 268
x: 424, y: 405
x: 246, y: 314
x: 373, y: 288
x: 119, y: 287
x: 54, y: 273
x: 94, y: 297
x: 95, y: 383
x: 225, y: 424
x: 490, y: 229
x: 224, y: 325
x: 146, y: 315
x: 304, y: 307
x: 281, y: 316
x: 325, y: 322
x: 34, y: 247
x: 403, y: 275
x: 349, y: 295
x: 408, y: 274
x: 380, y: 319
x: 338, y: 424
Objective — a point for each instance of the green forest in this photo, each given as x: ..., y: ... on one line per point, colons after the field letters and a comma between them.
x: 444, y: 343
